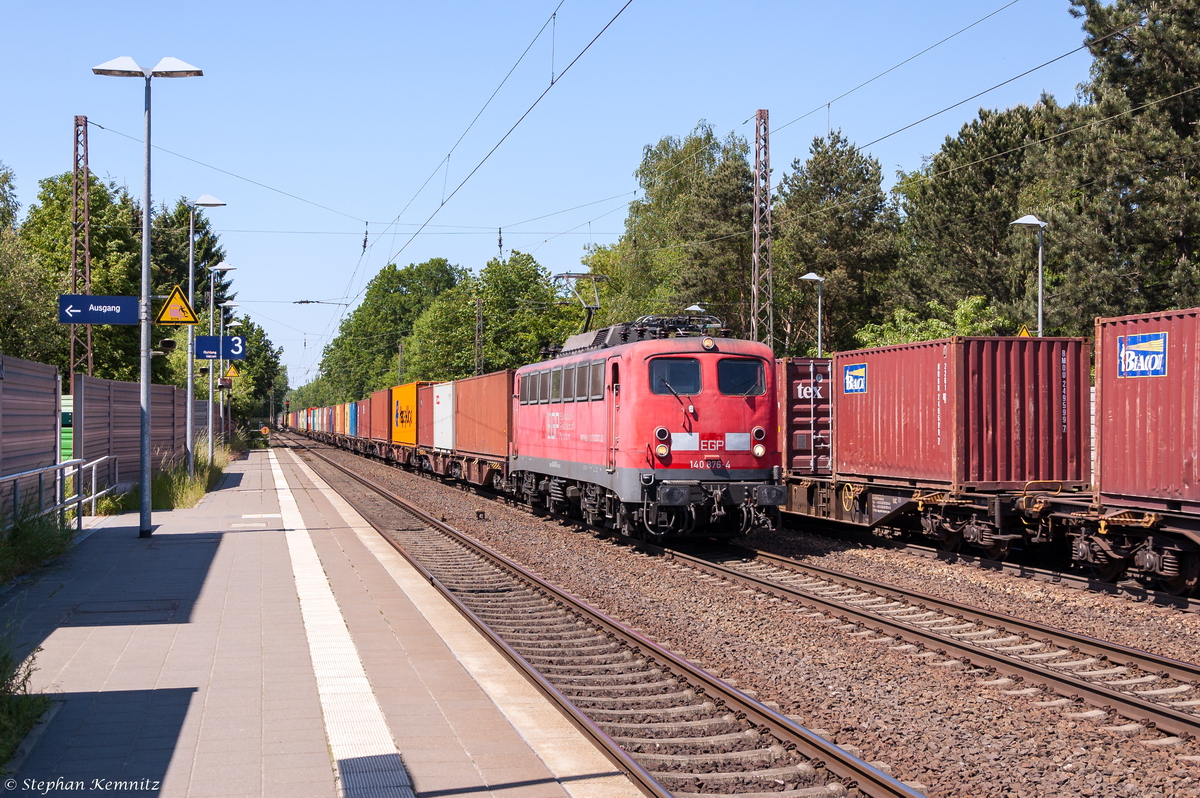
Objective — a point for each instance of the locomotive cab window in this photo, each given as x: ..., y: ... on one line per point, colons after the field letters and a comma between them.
x: 544, y: 387
x: 568, y: 389
x: 741, y: 377
x: 678, y: 376
x: 556, y: 385
x: 524, y: 390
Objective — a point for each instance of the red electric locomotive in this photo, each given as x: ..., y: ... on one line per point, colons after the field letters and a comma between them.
x: 653, y: 428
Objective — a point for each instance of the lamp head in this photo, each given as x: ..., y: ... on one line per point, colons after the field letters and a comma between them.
x: 1029, y: 220
x: 813, y: 277
x: 126, y: 67
x: 205, y: 201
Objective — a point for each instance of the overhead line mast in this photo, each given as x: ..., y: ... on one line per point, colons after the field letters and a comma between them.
x: 762, y: 287
x: 81, y: 247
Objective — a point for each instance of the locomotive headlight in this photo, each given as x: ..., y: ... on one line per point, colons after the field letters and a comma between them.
x: 662, y: 435
x: 708, y: 343
x: 662, y: 450
x: 759, y: 433
x: 759, y: 450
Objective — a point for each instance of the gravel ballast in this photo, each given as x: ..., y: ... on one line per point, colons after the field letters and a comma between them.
x: 923, y: 722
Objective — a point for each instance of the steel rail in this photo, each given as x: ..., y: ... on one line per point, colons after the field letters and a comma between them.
x: 1149, y: 712
x: 824, y: 754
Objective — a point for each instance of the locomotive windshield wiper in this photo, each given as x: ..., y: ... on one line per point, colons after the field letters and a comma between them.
x: 663, y: 380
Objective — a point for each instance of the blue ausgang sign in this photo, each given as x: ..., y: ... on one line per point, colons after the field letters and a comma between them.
x: 89, y: 309
x: 215, y: 347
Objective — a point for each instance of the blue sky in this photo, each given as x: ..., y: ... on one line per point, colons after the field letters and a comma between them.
x: 352, y: 106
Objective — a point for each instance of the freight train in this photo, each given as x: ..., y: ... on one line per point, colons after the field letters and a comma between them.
x: 660, y: 427
x: 668, y: 426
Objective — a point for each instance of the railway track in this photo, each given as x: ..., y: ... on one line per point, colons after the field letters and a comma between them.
x: 1148, y: 690
x: 1127, y: 588
x: 675, y: 729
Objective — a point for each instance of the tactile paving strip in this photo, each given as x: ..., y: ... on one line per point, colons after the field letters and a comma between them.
x: 359, y: 739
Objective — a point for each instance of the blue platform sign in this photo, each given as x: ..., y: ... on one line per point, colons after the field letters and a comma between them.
x: 216, y: 347
x: 91, y: 309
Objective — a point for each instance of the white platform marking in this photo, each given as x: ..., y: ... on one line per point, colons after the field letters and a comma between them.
x: 359, y: 739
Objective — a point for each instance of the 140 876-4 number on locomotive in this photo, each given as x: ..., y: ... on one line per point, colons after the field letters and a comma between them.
x: 654, y: 428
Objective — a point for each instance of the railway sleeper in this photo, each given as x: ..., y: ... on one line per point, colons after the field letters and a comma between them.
x: 582, y: 690
x: 619, y: 670
x: 732, y: 738
x: 706, y: 725
x: 630, y: 700
x: 568, y: 679
x: 772, y: 753
x: 704, y: 708
x: 799, y: 770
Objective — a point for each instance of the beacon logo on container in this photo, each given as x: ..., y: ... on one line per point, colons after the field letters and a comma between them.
x: 1142, y: 355
x: 854, y: 378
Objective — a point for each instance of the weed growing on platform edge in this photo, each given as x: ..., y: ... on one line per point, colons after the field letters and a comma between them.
x: 20, y: 710
x: 172, y: 488
x: 31, y: 540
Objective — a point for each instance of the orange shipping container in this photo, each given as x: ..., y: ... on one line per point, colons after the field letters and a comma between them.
x: 404, y: 413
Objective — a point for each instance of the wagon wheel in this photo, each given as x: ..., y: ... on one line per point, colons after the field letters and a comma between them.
x: 950, y: 541
x: 998, y: 551
x: 1108, y: 571
x: 1187, y: 581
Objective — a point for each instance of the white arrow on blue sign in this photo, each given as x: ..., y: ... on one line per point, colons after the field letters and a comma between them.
x: 91, y: 309
x: 216, y: 347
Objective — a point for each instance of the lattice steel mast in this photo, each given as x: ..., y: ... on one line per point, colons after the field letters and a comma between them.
x: 81, y: 248
x: 762, y: 288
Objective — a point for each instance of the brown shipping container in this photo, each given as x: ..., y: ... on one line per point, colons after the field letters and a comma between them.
x: 1148, y: 410
x: 966, y: 413
x: 381, y: 416
x: 804, y: 414
x: 483, y: 414
x: 425, y: 415
x: 362, y: 426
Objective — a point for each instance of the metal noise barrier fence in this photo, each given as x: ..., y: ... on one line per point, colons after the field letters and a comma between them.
x: 107, y: 415
x: 29, y: 427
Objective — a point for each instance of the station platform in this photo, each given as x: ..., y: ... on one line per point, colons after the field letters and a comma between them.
x: 268, y: 642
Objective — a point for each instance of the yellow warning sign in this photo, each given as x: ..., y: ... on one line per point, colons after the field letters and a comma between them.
x: 265, y: 430
x: 177, y: 310
x: 233, y: 371
x: 1024, y: 333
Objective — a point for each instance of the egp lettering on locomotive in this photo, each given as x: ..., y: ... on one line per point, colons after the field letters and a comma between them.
x: 854, y: 378
x: 1142, y: 355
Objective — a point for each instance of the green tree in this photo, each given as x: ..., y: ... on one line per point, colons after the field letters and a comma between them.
x: 522, y: 314
x: 9, y: 207
x: 363, y: 356
x: 45, y: 234
x: 971, y: 316
x: 832, y: 218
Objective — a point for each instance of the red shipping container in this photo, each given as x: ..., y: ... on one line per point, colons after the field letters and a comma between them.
x: 965, y: 413
x: 805, y: 407
x: 425, y: 416
x: 483, y: 414
x: 381, y: 417
x: 1148, y: 410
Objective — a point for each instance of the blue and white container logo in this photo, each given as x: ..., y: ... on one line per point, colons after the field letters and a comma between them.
x: 854, y: 378
x: 1142, y: 355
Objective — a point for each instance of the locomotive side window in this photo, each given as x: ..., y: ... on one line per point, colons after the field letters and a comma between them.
x: 581, y: 382
x: 524, y: 390
x: 544, y: 387
x: 598, y: 379
x: 556, y: 385
x: 675, y: 375
x: 740, y: 377
x: 568, y: 388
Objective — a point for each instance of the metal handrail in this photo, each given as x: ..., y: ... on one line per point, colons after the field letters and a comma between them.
x: 61, y: 502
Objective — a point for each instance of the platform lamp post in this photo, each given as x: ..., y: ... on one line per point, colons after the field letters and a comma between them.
x: 1030, y: 220
x: 213, y: 271
x: 227, y: 423
x: 126, y: 67
x: 204, y: 201
x: 813, y: 277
